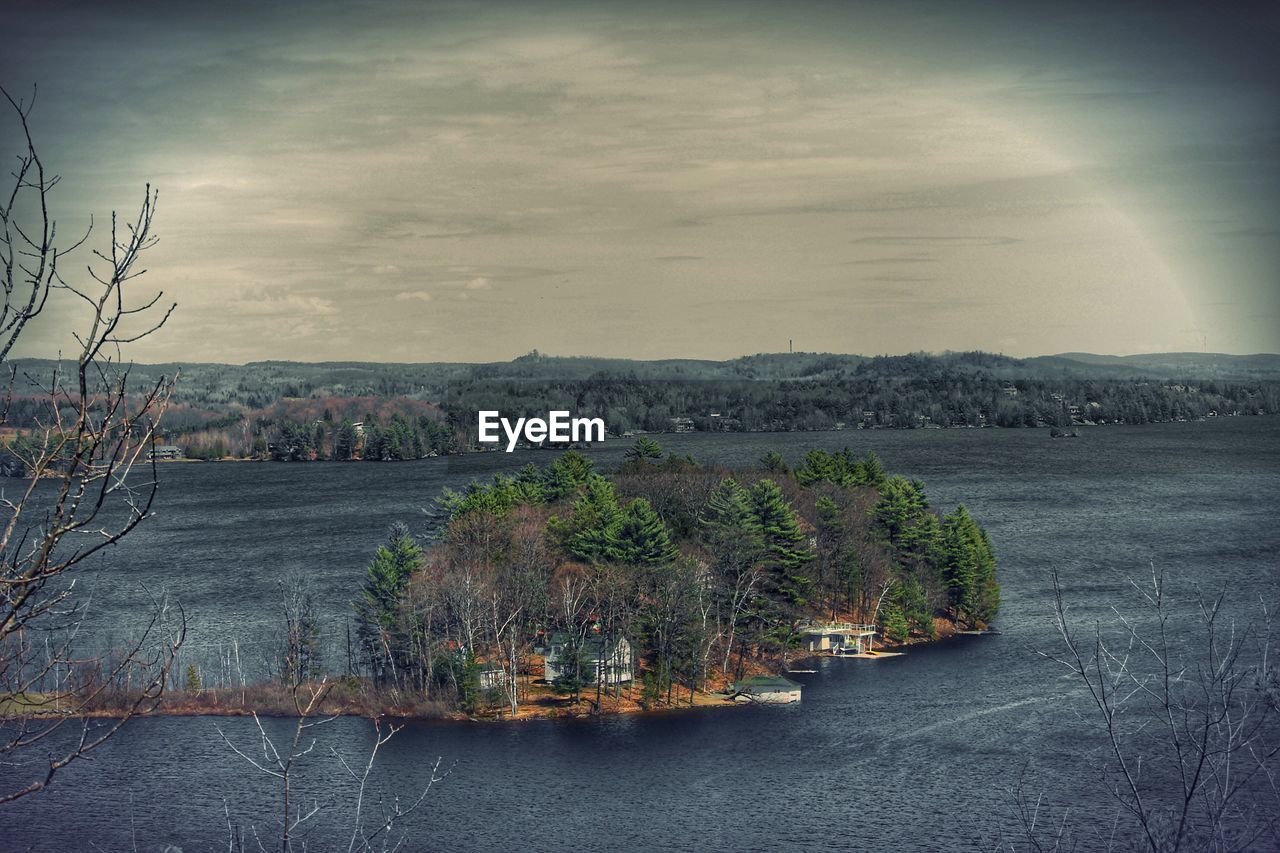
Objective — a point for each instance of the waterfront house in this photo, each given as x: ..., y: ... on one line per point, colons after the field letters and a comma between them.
x: 767, y: 689
x: 166, y: 451
x: 491, y: 677
x: 609, y: 661
x: 837, y: 637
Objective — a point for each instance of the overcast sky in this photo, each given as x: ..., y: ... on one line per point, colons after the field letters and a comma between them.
x: 464, y: 182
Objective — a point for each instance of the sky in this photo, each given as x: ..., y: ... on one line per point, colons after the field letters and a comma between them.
x: 467, y: 182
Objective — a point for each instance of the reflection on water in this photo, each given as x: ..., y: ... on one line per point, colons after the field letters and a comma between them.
x: 916, y: 752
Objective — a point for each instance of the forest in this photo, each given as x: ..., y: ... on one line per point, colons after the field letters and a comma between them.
x: 382, y: 412
x: 706, y: 573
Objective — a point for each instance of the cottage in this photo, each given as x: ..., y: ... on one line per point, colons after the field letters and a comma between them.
x: 682, y: 424
x: 609, y: 662
x: 837, y: 637
x: 491, y: 677
x: 768, y: 690
x: 166, y: 451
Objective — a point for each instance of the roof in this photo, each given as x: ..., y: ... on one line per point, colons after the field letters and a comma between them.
x: 592, y: 644
x: 767, y: 682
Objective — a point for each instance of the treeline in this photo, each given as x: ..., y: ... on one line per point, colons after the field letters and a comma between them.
x: 705, y: 573
x: 244, y: 411
x: 948, y: 399
x: 396, y: 440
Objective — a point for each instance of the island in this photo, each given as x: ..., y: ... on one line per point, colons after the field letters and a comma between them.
x: 664, y: 584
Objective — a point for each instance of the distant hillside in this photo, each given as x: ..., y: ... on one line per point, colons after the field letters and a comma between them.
x: 353, y: 409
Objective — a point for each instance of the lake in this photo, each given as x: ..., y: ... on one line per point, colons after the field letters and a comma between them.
x: 911, y: 753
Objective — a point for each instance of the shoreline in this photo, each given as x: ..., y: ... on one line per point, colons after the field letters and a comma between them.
x: 544, y: 707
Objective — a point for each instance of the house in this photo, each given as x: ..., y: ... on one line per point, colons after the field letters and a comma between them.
x: 768, y: 690
x: 837, y: 637
x: 491, y: 677
x: 166, y: 451
x: 609, y: 661
x: 682, y: 424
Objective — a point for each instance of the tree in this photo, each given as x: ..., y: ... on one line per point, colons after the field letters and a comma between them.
x: 1186, y: 700
x: 642, y: 539
x: 301, y: 657
x: 567, y: 474
x: 591, y: 532
x: 735, y: 539
x: 773, y: 463
x: 88, y: 457
x: 345, y: 441
x: 376, y: 608
x: 786, y: 545
x: 644, y: 448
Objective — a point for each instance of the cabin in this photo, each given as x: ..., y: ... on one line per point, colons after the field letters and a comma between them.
x: 491, y: 677
x: 166, y: 451
x: 836, y: 637
x: 767, y: 690
x: 600, y: 660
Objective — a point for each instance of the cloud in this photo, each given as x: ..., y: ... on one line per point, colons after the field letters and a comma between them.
x: 765, y: 160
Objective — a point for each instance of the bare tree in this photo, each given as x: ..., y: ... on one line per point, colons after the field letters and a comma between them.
x: 373, y: 825
x: 91, y: 479
x: 1187, y: 703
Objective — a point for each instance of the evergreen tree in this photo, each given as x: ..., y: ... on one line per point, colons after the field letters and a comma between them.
x: 773, y: 463
x: 566, y: 474
x: 960, y: 544
x: 869, y: 471
x: 731, y: 515
x: 987, y: 598
x: 787, y: 546
x: 644, y: 448
x: 893, y: 624
x: 385, y: 580
x: 590, y: 533
x: 642, y: 537
x: 344, y: 441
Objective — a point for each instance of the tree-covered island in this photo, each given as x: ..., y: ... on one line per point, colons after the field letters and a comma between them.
x: 563, y: 590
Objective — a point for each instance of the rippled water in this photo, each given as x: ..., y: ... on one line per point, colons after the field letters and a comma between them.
x: 910, y: 753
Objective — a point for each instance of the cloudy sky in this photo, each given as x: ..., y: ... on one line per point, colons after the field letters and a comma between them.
x: 450, y: 181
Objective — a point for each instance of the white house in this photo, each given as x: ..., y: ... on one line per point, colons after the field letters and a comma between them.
x: 491, y: 677
x: 609, y: 662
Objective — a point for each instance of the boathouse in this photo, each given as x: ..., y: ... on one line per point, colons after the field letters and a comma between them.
x: 767, y: 689
x: 836, y: 637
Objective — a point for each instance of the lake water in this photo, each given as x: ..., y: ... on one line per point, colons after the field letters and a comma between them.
x: 911, y: 753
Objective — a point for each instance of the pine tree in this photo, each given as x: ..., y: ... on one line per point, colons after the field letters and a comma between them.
x: 773, y: 463
x: 385, y: 580
x: 591, y: 531
x: 642, y: 537
x: 730, y: 515
x: 869, y: 471
x: 787, y: 546
x: 565, y: 475
x: 959, y: 568
x: 987, y: 603
x: 644, y: 448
